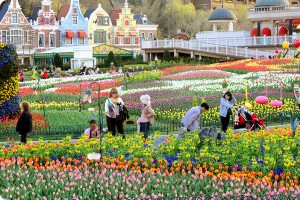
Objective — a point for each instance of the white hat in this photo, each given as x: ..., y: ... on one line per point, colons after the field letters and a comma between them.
x: 145, y: 99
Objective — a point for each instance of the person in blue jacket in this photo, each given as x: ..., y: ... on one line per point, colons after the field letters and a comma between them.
x: 226, y: 106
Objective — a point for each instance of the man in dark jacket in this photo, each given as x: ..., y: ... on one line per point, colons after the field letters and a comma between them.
x: 24, y: 125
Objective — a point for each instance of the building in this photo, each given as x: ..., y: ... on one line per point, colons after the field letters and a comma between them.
x: 100, y: 28
x: 213, y: 4
x: 46, y: 29
x: 130, y: 29
x: 16, y: 29
x: 73, y: 26
x: 274, y: 18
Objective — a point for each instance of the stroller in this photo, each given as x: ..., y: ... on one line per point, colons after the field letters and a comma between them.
x: 249, y: 120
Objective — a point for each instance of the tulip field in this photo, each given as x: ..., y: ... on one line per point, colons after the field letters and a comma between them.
x: 250, y: 165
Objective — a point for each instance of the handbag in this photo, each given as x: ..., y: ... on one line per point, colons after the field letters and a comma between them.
x: 229, y: 111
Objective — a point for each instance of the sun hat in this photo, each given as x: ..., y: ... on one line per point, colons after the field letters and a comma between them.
x: 145, y: 99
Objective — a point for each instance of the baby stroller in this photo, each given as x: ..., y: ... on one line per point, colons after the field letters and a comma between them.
x: 247, y: 119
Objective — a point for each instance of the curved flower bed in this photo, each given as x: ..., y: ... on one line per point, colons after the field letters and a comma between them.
x: 198, y: 74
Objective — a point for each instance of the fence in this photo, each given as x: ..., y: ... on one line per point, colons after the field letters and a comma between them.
x: 162, y: 125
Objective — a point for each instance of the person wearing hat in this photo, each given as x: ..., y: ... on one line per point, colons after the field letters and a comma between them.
x: 147, y: 117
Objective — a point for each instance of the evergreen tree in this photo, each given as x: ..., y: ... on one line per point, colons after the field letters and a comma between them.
x: 110, y: 58
x: 139, y: 59
x: 167, y: 56
x: 57, y: 61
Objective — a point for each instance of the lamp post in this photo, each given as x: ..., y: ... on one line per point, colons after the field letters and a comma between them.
x: 88, y: 97
x: 76, y: 83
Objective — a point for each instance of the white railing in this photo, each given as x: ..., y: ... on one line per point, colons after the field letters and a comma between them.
x: 249, y: 41
x: 195, y: 45
x: 287, y: 8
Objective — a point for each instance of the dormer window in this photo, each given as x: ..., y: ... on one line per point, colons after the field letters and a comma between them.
x: 145, y: 21
x: 74, y: 20
x: 14, y: 18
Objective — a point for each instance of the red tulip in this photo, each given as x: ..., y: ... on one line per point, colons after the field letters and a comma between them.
x: 296, y: 43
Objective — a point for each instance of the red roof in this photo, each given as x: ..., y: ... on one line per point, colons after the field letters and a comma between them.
x: 114, y: 15
x: 63, y: 11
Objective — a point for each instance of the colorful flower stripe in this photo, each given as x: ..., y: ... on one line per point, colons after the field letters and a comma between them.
x: 246, y: 65
x: 26, y: 91
x: 106, y: 181
x: 198, y: 74
x: 72, y: 89
x: 9, y: 88
x: 39, y: 123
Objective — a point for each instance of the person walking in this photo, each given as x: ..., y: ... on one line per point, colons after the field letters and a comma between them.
x: 191, y: 120
x: 226, y: 106
x: 112, y: 108
x: 147, y: 116
x: 24, y: 125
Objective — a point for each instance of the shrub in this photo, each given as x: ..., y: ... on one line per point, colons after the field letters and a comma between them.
x: 167, y: 56
x: 58, y: 61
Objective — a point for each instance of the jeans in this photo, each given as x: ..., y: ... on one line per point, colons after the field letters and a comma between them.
x: 225, y: 122
x: 112, y: 123
x: 145, y: 128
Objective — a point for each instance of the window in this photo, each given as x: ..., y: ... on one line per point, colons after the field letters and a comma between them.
x: 132, y: 40
x: 14, y: 18
x: 99, y: 20
x: 52, y: 40
x: 47, y: 21
x: 144, y: 21
x: 99, y: 36
x: 74, y: 20
x: 16, y: 36
x: 150, y: 35
x: 69, y: 40
x: 41, y: 40
x: 142, y: 35
x: 126, y: 22
x: 25, y: 37
x: 75, y: 10
x: 80, y: 40
x: 4, y: 37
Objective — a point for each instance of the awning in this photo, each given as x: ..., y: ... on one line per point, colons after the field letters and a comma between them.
x: 82, y: 34
x: 286, y: 22
x: 283, y: 31
x: 254, y: 32
x: 121, y: 33
x: 132, y: 33
x: 70, y: 34
x: 266, y: 32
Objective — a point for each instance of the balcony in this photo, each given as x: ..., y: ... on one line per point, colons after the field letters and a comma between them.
x: 274, y: 12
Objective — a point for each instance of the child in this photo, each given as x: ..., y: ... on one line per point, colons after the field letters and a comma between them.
x: 147, y: 117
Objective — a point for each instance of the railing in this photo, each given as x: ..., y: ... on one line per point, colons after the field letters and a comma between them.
x: 287, y: 8
x: 195, y: 45
x: 249, y: 41
x: 164, y: 126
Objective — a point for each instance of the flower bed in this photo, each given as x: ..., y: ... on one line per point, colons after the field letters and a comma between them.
x: 264, y: 163
x: 198, y: 74
x: 241, y: 66
x: 39, y: 123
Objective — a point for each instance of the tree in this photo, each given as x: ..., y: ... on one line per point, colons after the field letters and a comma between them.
x: 110, y: 58
x: 167, y: 56
x: 58, y: 61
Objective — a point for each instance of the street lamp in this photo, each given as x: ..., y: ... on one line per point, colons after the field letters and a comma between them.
x: 88, y: 98
x: 76, y: 83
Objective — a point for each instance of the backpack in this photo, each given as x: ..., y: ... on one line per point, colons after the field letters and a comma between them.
x: 123, y: 114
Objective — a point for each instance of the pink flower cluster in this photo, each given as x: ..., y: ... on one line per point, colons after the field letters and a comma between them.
x: 198, y: 74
